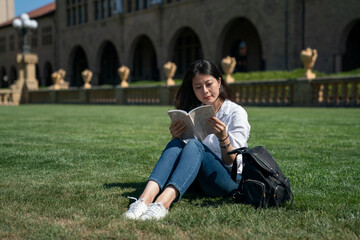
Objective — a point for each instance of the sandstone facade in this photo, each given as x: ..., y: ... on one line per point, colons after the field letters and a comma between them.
x: 102, y: 35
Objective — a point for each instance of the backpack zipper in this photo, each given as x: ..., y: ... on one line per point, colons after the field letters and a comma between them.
x: 258, y: 182
x: 275, y: 191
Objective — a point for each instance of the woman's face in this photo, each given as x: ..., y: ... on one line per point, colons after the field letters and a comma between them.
x: 206, y: 88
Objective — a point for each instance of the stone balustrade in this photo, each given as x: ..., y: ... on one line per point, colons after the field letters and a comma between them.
x: 264, y: 93
x: 6, y: 97
x: 337, y: 91
x: 325, y: 91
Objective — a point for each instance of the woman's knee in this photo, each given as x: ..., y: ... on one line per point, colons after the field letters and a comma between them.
x: 176, y: 142
x: 195, y: 143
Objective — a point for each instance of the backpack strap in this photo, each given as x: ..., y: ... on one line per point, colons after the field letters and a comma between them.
x: 234, y: 166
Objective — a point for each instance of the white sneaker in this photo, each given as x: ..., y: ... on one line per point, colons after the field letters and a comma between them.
x: 136, y: 209
x: 155, y: 211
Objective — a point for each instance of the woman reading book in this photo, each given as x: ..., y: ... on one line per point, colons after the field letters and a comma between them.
x: 184, y: 161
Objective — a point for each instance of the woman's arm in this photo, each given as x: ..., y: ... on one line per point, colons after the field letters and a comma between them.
x: 221, y: 133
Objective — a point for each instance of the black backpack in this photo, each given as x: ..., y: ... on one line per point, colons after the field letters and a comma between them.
x: 262, y: 183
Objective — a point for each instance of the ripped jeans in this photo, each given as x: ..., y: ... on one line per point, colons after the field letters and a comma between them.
x: 180, y: 164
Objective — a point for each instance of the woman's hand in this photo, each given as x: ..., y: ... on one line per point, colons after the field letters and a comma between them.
x: 218, y: 126
x: 177, y: 128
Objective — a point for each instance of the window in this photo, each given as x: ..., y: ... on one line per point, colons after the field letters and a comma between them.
x: 85, y: 13
x: 109, y: 8
x: 12, y: 43
x: 129, y: 6
x: 34, y: 39
x: 80, y: 14
x: 96, y: 9
x: 137, y: 6
x: 103, y: 9
x: 68, y: 16
x: 20, y: 41
x: 47, y: 35
x: 118, y: 6
x: 145, y: 4
x: 3, y: 44
x: 77, y: 12
x: 74, y: 16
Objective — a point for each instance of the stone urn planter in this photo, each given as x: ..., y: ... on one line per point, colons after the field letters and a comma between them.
x: 63, y: 84
x: 86, y: 76
x: 228, y: 65
x: 169, y: 70
x: 308, y: 58
x: 55, y: 77
x: 123, y: 72
x: 58, y: 80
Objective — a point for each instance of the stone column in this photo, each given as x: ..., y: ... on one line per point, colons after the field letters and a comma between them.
x: 338, y: 62
x: 302, y: 92
x: 164, y: 95
x: 27, y: 72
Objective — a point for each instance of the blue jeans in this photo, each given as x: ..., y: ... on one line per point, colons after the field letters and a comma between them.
x: 180, y: 164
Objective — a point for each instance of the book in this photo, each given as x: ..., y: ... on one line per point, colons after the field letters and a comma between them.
x: 197, y: 126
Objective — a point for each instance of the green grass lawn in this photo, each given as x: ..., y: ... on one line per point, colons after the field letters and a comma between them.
x: 296, y: 73
x: 66, y: 172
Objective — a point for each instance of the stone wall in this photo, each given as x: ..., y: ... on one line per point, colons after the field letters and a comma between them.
x: 275, y: 32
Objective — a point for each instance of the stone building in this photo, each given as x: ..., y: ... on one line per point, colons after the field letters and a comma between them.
x: 41, y: 40
x: 102, y: 35
x: 6, y: 10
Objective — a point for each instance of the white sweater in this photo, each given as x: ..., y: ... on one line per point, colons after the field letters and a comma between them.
x: 238, y: 128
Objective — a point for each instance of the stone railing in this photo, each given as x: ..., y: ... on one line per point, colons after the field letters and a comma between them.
x: 264, y: 93
x: 152, y: 95
x: 337, y: 91
x: 334, y: 91
x: 13, y: 95
x: 6, y: 97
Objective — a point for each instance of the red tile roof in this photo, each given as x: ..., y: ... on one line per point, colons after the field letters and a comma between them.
x: 39, y: 12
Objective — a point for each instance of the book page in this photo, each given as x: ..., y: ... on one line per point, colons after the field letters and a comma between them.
x: 182, y: 115
x: 199, y: 115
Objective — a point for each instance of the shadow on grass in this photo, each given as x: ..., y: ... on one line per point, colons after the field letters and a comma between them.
x: 136, y: 188
x: 193, y: 195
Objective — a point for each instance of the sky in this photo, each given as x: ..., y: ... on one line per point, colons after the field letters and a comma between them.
x: 22, y: 6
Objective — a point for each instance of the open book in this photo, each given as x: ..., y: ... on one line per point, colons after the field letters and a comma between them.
x: 197, y: 126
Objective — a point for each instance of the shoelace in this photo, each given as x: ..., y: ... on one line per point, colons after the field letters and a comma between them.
x: 133, y: 198
x: 134, y: 204
x: 154, y: 209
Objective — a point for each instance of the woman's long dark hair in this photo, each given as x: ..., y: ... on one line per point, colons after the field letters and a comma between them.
x: 185, y: 97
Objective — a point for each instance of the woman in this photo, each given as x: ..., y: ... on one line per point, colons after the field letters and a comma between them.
x: 184, y: 161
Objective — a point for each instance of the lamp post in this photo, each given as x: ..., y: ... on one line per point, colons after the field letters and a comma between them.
x: 26, y: 61
x: 24, y: 24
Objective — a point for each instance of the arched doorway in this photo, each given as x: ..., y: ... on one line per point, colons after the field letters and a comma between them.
x: 79, y: 63
x: 13, y: 76
x: 187, y: 49
x: 109, y: 64
x: 351, y: 57
x: 48, y: 70
x: 241, y: 40
x: 3, y: 78
x: 144, y: 60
